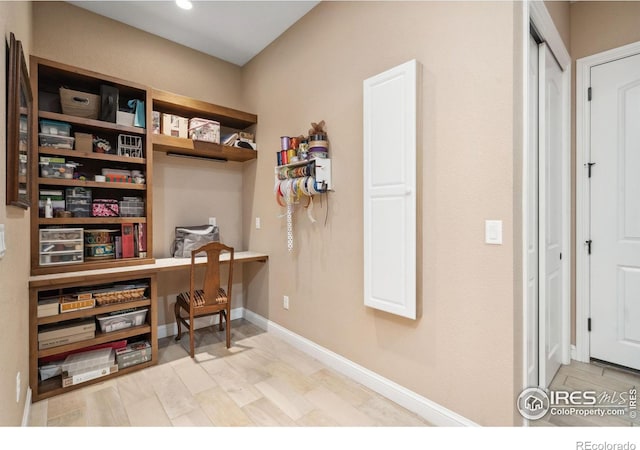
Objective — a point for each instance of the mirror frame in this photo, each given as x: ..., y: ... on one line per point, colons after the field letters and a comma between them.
x: 18, y: 88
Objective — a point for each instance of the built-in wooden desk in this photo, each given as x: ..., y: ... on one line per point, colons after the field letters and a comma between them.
x: 160, y: 265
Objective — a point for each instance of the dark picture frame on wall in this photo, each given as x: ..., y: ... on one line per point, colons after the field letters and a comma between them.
x: 19, y: 128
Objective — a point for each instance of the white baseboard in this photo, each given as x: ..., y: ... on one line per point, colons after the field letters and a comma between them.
x: 171, y: 329
x: 432, y: 412
x: 27, y: 408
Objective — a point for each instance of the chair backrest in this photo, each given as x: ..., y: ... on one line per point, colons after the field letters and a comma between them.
x: 211, y: 283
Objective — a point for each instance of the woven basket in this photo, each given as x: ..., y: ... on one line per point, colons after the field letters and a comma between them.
x: 79, y: 104
x: 127, y: 295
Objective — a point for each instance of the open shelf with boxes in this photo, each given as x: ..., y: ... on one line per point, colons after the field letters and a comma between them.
x: 93, y: 163
x: 73, y: 324
x: 175, y: 110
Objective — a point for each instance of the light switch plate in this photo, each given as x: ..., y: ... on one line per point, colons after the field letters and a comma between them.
x: 493, y: 232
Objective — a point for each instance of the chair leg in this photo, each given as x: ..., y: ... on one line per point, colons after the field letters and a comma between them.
x: 176, y: 309
x: 192, y: 340
x: 228, y: 316
x: 220, y: 320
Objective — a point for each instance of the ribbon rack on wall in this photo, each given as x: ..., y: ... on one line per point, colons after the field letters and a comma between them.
x: 303, y: 170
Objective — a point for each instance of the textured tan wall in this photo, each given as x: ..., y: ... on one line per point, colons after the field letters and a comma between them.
x: 185, y: 191
x: 462, y: 351
x: 14, y: 266
x: 597, y: 27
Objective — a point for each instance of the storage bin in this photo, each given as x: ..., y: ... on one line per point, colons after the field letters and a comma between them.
x: 122, y: 320
x: 61, y: 246
x: 105, y: 208
x: 57, y: 170
x: 54, y: 127
x: 79, y: 104
x: 89, y: 360
x: 175, y: 126
x: 125, y: 118
x: 131, y: 207
x: 56, y: 141
x: 204, y: 130
x: 78, y: 201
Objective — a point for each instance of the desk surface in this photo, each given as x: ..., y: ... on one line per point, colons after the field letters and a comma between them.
x: 160, y: 265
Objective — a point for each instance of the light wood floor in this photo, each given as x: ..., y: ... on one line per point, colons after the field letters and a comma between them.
x: 260, y: 381
x: 596, y: 377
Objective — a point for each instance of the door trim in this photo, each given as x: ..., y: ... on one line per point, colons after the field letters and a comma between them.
x: 536, y: 12
x: 583, y: 131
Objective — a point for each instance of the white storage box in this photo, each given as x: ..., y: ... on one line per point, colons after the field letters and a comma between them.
x: 175, y: 126
x: 204, y: 130
x: 119, y: 321
x: 90, y: 360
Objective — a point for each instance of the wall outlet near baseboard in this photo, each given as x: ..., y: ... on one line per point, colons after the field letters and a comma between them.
x: 212, y: 221
x: 285, y: 302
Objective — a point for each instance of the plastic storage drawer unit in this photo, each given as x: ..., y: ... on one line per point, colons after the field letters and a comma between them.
x: 61, y: 246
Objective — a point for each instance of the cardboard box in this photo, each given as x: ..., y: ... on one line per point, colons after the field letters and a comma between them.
x: 132, y: 354
x: 86, y: 376
x: 67, y: 329
x: 175, y: 126
x: 84, y: 142
x: 56, y: 342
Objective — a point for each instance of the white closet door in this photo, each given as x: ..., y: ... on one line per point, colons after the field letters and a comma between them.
x: 389, y: 160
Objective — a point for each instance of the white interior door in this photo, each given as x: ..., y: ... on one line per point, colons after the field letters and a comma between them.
x: 389, y: 174
x: 615, y: 212
x: 550, y: 168
x: 532, y: 220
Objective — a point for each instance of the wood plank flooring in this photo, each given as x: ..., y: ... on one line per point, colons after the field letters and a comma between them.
x: 598, y: 377
x: 260, y: 381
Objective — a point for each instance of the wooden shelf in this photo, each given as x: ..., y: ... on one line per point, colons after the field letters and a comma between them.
x: 91, y: 220
x: 53, y: 386
x: 100, y: 338
x: 90, y: 123
x: 86, y: 155
x: 168, y: 102
x: 90, y: 265
x: 200, y: 149
x: 94, y: 184
x: 89, y: 312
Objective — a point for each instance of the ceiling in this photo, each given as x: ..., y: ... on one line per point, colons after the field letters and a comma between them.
x: 234, y: 31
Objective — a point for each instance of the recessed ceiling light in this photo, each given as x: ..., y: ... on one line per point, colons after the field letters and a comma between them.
x: 184, y: 4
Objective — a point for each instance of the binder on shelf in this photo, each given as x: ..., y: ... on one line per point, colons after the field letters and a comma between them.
x: 56, y: 342
x: 127, y: 240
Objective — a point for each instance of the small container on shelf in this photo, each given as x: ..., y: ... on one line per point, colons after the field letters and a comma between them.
x: 121, y: 320
x: 130, y: 146
x: 132, y: 207
x: 55, y: 127
x: 56, y: 141
x: 78, y: 201
x: 84, y: 142
x: 56, y: 169
x: 204, y: 130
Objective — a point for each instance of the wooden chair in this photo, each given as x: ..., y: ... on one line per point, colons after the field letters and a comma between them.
x: 211, y: 299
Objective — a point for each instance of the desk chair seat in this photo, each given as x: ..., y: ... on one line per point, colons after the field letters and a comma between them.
x: 211, y: 299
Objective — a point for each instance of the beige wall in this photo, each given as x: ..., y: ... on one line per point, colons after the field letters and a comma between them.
x: 560, y: 12
x: 462, y: 352
x: 597, y: 27
x: 185, y: 191
x: 14, y: 266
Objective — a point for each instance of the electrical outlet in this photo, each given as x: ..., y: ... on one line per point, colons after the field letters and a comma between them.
x: 18, y: 388
x: 285, y: 302
x: 212, y: 221
x: 258, y: 224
